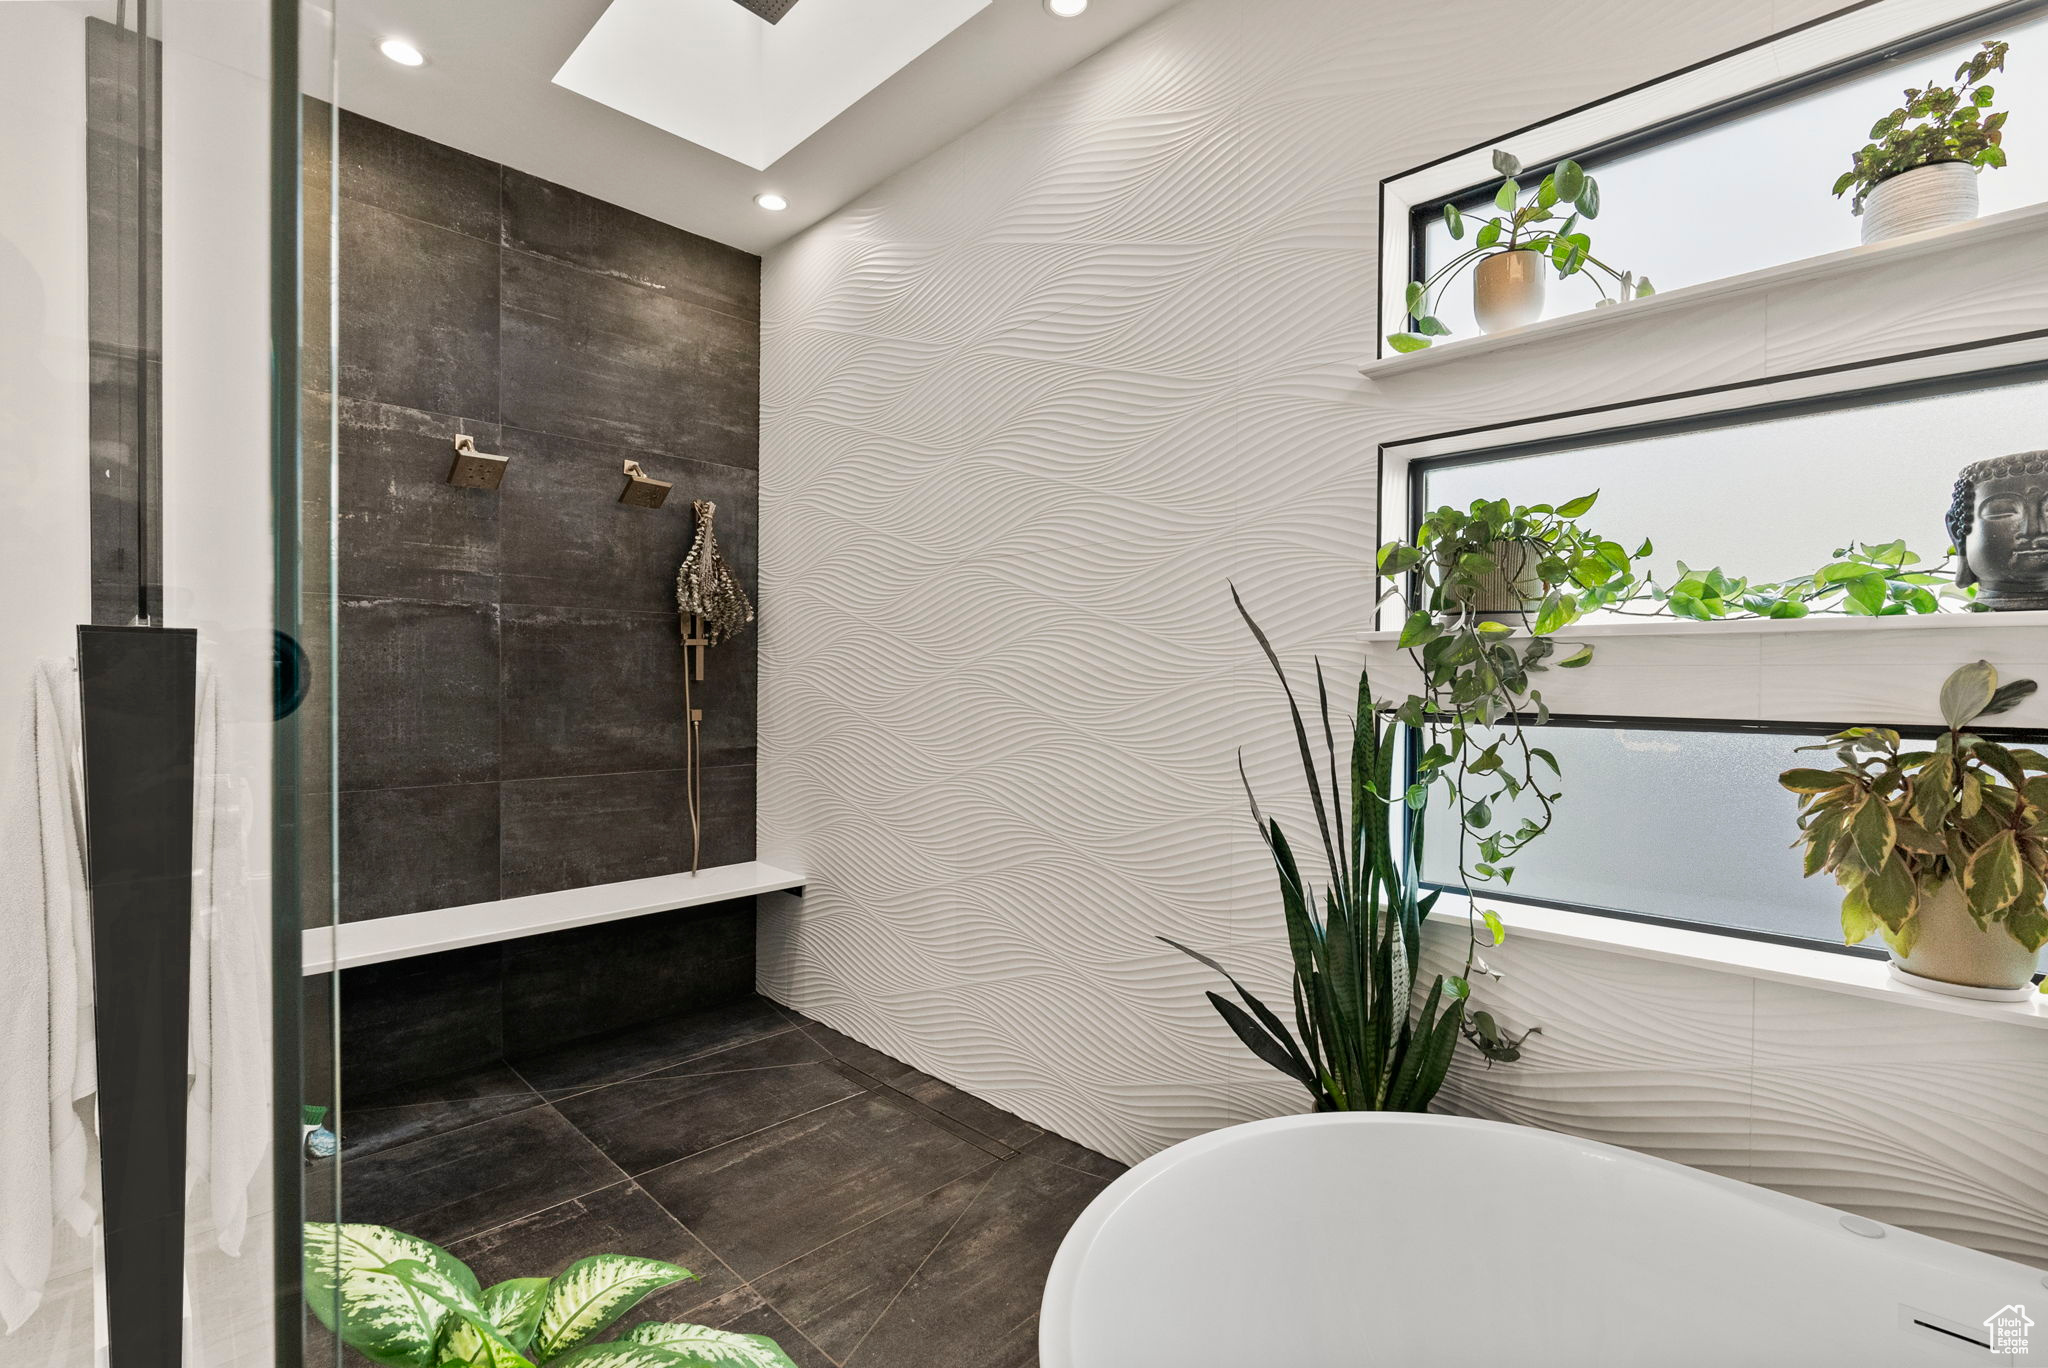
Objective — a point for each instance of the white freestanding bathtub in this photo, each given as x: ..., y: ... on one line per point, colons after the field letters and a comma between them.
x: 1402, y: 1241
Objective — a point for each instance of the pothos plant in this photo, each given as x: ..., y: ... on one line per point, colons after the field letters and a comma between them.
x: 1547, y: 220
x: 1479, y: 675
x: 1937, y: 123
x: 1893, y: 825
x: 404, y: 1303
x: 1864, y: 579
x: 1480, y: 667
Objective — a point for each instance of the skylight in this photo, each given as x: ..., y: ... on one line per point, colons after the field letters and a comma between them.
x: 745, y: 85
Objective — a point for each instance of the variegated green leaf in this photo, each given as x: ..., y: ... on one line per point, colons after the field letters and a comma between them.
x: 622, y: 1355
x: 513, y: 1307
x: 704, y: 1347
x: 430, y: 1282
x: 592, y: 1293
x: 379, y: 1316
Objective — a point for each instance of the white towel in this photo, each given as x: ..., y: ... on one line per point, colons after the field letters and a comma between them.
x: 46, y: 1004
x: 228, y: 1112
x: 46, y: 1042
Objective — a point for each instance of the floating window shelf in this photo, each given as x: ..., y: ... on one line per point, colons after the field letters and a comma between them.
x: 2015, y: 229
x: 1853, y: 975
x: 354, y: 944
x: 1736, y: 108
x: 1832, y: 671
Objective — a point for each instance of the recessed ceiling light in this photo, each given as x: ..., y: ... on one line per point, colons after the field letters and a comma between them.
x: 1065, y: 9
x: 771, y: 201
x: 402, y: 52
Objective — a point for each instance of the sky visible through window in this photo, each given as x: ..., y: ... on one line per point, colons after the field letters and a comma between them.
x: 1693, y: 825
x: 1754, y: 192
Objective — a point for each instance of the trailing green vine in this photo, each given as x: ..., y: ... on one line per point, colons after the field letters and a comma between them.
x: 1494, y: 584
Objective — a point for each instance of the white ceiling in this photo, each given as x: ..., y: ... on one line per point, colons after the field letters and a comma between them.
x: 488, y: 88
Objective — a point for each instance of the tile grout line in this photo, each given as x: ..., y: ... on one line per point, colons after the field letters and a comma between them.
x: 662, y: 1076
x: 698, y: 1154
x: 988, y: 1168
x: 541, y: 1100
x: 653, y: 288
x: 552, y: 1206
x: 1069, y: 1167
x: 801, y: 1332
x: 937, y: 1245
x: 581, y: 1090
x: 340, y: 399
x: 1015, y: 1150
x: 618, y: 1167
x: 538, y: 1101
x: 527, y: 779
x: 925, y: 1108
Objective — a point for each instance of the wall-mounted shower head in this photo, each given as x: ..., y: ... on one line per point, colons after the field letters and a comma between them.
x: 642, y: 489
x: 475, y: 470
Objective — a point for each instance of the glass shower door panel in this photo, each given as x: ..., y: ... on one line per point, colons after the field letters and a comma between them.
x: 48, y: 1187
x: 141, y: 1192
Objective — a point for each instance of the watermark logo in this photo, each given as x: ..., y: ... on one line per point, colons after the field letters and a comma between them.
x: 2006, y: 1330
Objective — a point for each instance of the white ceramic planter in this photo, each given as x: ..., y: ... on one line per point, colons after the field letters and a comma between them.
x: 1507, y: 290
x: 1954, y: 955
x: 1914, y: 201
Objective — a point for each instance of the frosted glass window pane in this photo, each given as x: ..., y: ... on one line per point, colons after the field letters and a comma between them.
x: 1773, y: 498
x: 1680, y: 824
x: 1753, y: 191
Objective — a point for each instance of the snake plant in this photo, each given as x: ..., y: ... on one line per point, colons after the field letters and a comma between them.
x: 404, y: 1303
x: 1361, y: 1045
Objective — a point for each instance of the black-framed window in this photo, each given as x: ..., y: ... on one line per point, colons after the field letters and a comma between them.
x: 1741, y: 182
x: 1680, y: 820
x: 1767, y: 491
x: 1674, y: 821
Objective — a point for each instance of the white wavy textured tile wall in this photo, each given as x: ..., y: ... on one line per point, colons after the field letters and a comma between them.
x: 1027, y: 407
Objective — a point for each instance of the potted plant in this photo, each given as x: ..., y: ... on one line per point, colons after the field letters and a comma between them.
x: 1481, y: 573
x: 1480, y: 638
x: 1512, y: 252
x: 1943, y: 851
x: 1919, y: 170
x: 1357, y: 940
x: 404, y: 1303
x: 1497, y: 562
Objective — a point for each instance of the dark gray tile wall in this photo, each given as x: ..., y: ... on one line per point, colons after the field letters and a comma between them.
x: 511, y: 672
x: 409, y: 1026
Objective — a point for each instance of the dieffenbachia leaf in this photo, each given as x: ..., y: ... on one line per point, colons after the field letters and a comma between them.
x: 592, y: 1293
x: 512, y: 1307
x: 457, y: 1297
x: 622, y: 1355
x: 380, y: 1316
x: 704, y: 1347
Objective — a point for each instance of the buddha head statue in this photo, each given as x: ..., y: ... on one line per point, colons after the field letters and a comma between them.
x: 1999, y: 523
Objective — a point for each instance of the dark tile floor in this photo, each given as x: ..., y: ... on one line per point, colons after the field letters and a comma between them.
x: 864, y: 1214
